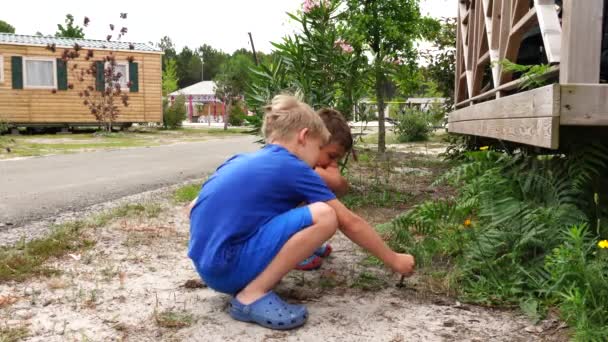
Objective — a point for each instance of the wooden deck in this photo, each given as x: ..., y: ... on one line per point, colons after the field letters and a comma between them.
x: 490, y: 31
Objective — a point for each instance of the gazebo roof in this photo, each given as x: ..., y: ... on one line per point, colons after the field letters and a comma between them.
x: 200, y: 88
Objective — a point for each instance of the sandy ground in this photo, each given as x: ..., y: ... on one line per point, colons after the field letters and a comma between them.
x: 135, y: 275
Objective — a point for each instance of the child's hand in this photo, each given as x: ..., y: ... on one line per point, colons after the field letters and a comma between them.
x: 334, y: 180
x: 403, y: 264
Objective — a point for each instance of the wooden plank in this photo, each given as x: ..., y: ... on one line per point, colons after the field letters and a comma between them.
x: 525, y: 23
x: 512, y: 45
x: 479, y: 34
x: 519, y: 10
x: 542, y: 132
x: 465, y: 47
x: 581, y: 41
x: 505, y: 29
x: 487, y: 7
x: 540, y: 102
x: 550, y: 28
x: 505, y: 87
x: 496, y: 20
x: 484, y: 59
x: 584, y: 104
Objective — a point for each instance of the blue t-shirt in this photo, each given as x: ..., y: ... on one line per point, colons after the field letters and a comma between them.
x: 241, y: 196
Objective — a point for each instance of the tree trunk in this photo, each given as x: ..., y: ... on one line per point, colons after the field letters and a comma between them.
x: 227, y: 113
x: 380, y: 105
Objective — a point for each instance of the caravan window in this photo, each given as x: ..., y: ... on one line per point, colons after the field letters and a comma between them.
x: 39, y: 73
x: 123, y: 69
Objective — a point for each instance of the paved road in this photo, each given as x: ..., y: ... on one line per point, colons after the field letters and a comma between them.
x: 37, y: 188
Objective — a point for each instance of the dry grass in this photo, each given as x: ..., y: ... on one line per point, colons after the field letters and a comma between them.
x: 173, y: 319
x: 27, y: 259
x: 13, y: 334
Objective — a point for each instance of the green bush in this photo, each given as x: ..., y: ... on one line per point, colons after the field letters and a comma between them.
x: 4, y: 126
x: 174, y: 115
x: 516, y: 234
x: 413, y: 125
x: 237, y: 115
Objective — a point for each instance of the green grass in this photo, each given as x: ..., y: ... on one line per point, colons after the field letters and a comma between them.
x: 13, y: 334
x: 30, y: 145
x: 368, y: 282
x: 148, y: 210
x: 372, y: 138
x: 174, y: 319
x: 377, y: 196
x: 213, y: 131
x: 186, y: 193
x: 27, y: 259
x: 392, y: 138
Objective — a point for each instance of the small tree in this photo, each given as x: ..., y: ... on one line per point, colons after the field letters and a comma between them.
x: 6, y: 27
x: 237, y: 114
x: 70, y: 30
x: 174, y: 114
x: 98, y: 82
x: 388, y: 29
x: 441, y: 59
x: 170, y: 77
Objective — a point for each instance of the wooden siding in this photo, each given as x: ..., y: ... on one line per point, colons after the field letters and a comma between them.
x: 502, y: 110
x: 42, y: 106
x: 530, y: 118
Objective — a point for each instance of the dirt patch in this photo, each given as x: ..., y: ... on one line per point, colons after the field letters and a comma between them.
x: 137, y: 284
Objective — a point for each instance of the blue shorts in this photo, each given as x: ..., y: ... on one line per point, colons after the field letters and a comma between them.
x: 257, y: 252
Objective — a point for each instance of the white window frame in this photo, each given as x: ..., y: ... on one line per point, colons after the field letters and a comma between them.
x: 44, y: 59
x: 126, y: 64
x: 1, y: 69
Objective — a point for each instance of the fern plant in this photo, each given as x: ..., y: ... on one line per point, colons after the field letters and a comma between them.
x: 513, y: 232
x: 532, y: 76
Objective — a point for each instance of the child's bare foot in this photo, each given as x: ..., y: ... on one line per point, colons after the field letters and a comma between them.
x: 247, y: 297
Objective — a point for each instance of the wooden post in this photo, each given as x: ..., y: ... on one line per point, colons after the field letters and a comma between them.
x: 550, y: 28
x: 581, y: 41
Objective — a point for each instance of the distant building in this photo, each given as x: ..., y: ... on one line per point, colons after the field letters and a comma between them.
x: 367, y: 107
x: 201, y: 103
x: 40, y: 88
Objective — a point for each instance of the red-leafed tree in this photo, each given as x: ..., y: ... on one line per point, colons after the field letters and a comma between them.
x: 96, y: 78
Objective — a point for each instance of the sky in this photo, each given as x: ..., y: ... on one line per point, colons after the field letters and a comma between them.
x: 222, y: 24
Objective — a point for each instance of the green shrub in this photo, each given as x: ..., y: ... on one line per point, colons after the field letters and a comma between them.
x: 4, y: 126
x: 413, y: 125
x: 578, y: 272
x: 237, y: 115
x: 174, y: 115
x: 516, y: 234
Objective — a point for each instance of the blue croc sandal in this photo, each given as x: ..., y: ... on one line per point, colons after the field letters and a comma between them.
x: 270, y: 311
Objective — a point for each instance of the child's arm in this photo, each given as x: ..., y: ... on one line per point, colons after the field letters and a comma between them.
x: 334, y: 180
x: 191, y: 205
x: 364, y: 235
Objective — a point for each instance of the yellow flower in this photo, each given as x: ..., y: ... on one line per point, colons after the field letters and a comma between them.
x: 484, y: 148
x: 603, y: 244
x: 467, y: 222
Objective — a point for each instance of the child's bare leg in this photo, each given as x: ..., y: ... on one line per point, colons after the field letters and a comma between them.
x: 299, y: 247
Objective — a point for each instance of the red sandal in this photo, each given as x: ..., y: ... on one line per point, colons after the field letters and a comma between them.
x: 310, y: 263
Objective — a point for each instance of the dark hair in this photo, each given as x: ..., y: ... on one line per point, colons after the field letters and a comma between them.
x: 337, y: 126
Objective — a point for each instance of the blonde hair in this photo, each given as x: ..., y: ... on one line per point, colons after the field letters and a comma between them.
x: 286, y: 115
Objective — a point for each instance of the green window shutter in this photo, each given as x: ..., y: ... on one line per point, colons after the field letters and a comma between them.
x: 17, y: 72
x: 133, y: 77
x: 62, y: 74
x: 99, y: 79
